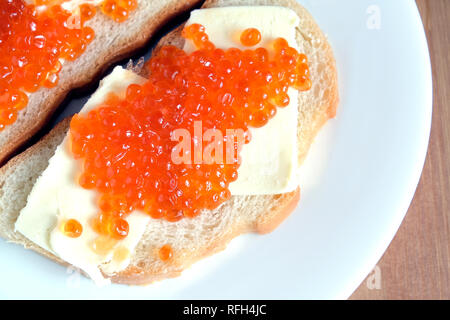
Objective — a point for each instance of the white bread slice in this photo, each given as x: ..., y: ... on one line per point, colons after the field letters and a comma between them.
x: 210, y: 232
x: 112, y: 42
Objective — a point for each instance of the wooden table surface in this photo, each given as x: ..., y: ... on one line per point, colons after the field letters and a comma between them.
x: 417, y: 263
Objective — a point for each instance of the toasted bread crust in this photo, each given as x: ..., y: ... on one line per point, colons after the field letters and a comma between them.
x: 49, y: 99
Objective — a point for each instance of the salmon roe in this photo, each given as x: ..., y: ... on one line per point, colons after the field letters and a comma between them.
x: 165, y: 252
x: 72, y: 228
x: 118, y: 10
x: 126, y: 145
x: 32, y: 44
x: 250, y: 37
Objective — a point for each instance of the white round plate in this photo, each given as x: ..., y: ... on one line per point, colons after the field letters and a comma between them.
x: 357, y: 183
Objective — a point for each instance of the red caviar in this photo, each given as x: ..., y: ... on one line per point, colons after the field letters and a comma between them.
x: 250, y: 37
x: 72, y: 228
x: 111, y: 225
x: 119, y: 10
x: 32, y: 42
x: 165, y: 252
x: 126, y: 144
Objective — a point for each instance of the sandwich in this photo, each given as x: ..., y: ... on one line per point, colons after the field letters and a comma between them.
x: 119, y: 192
x: 101, y: 36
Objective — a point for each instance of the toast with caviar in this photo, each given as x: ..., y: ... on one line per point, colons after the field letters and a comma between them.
x: 198, y: 237
x: 112, y: 42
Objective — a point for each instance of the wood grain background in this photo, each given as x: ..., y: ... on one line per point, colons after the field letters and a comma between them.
x: 417, y: 263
